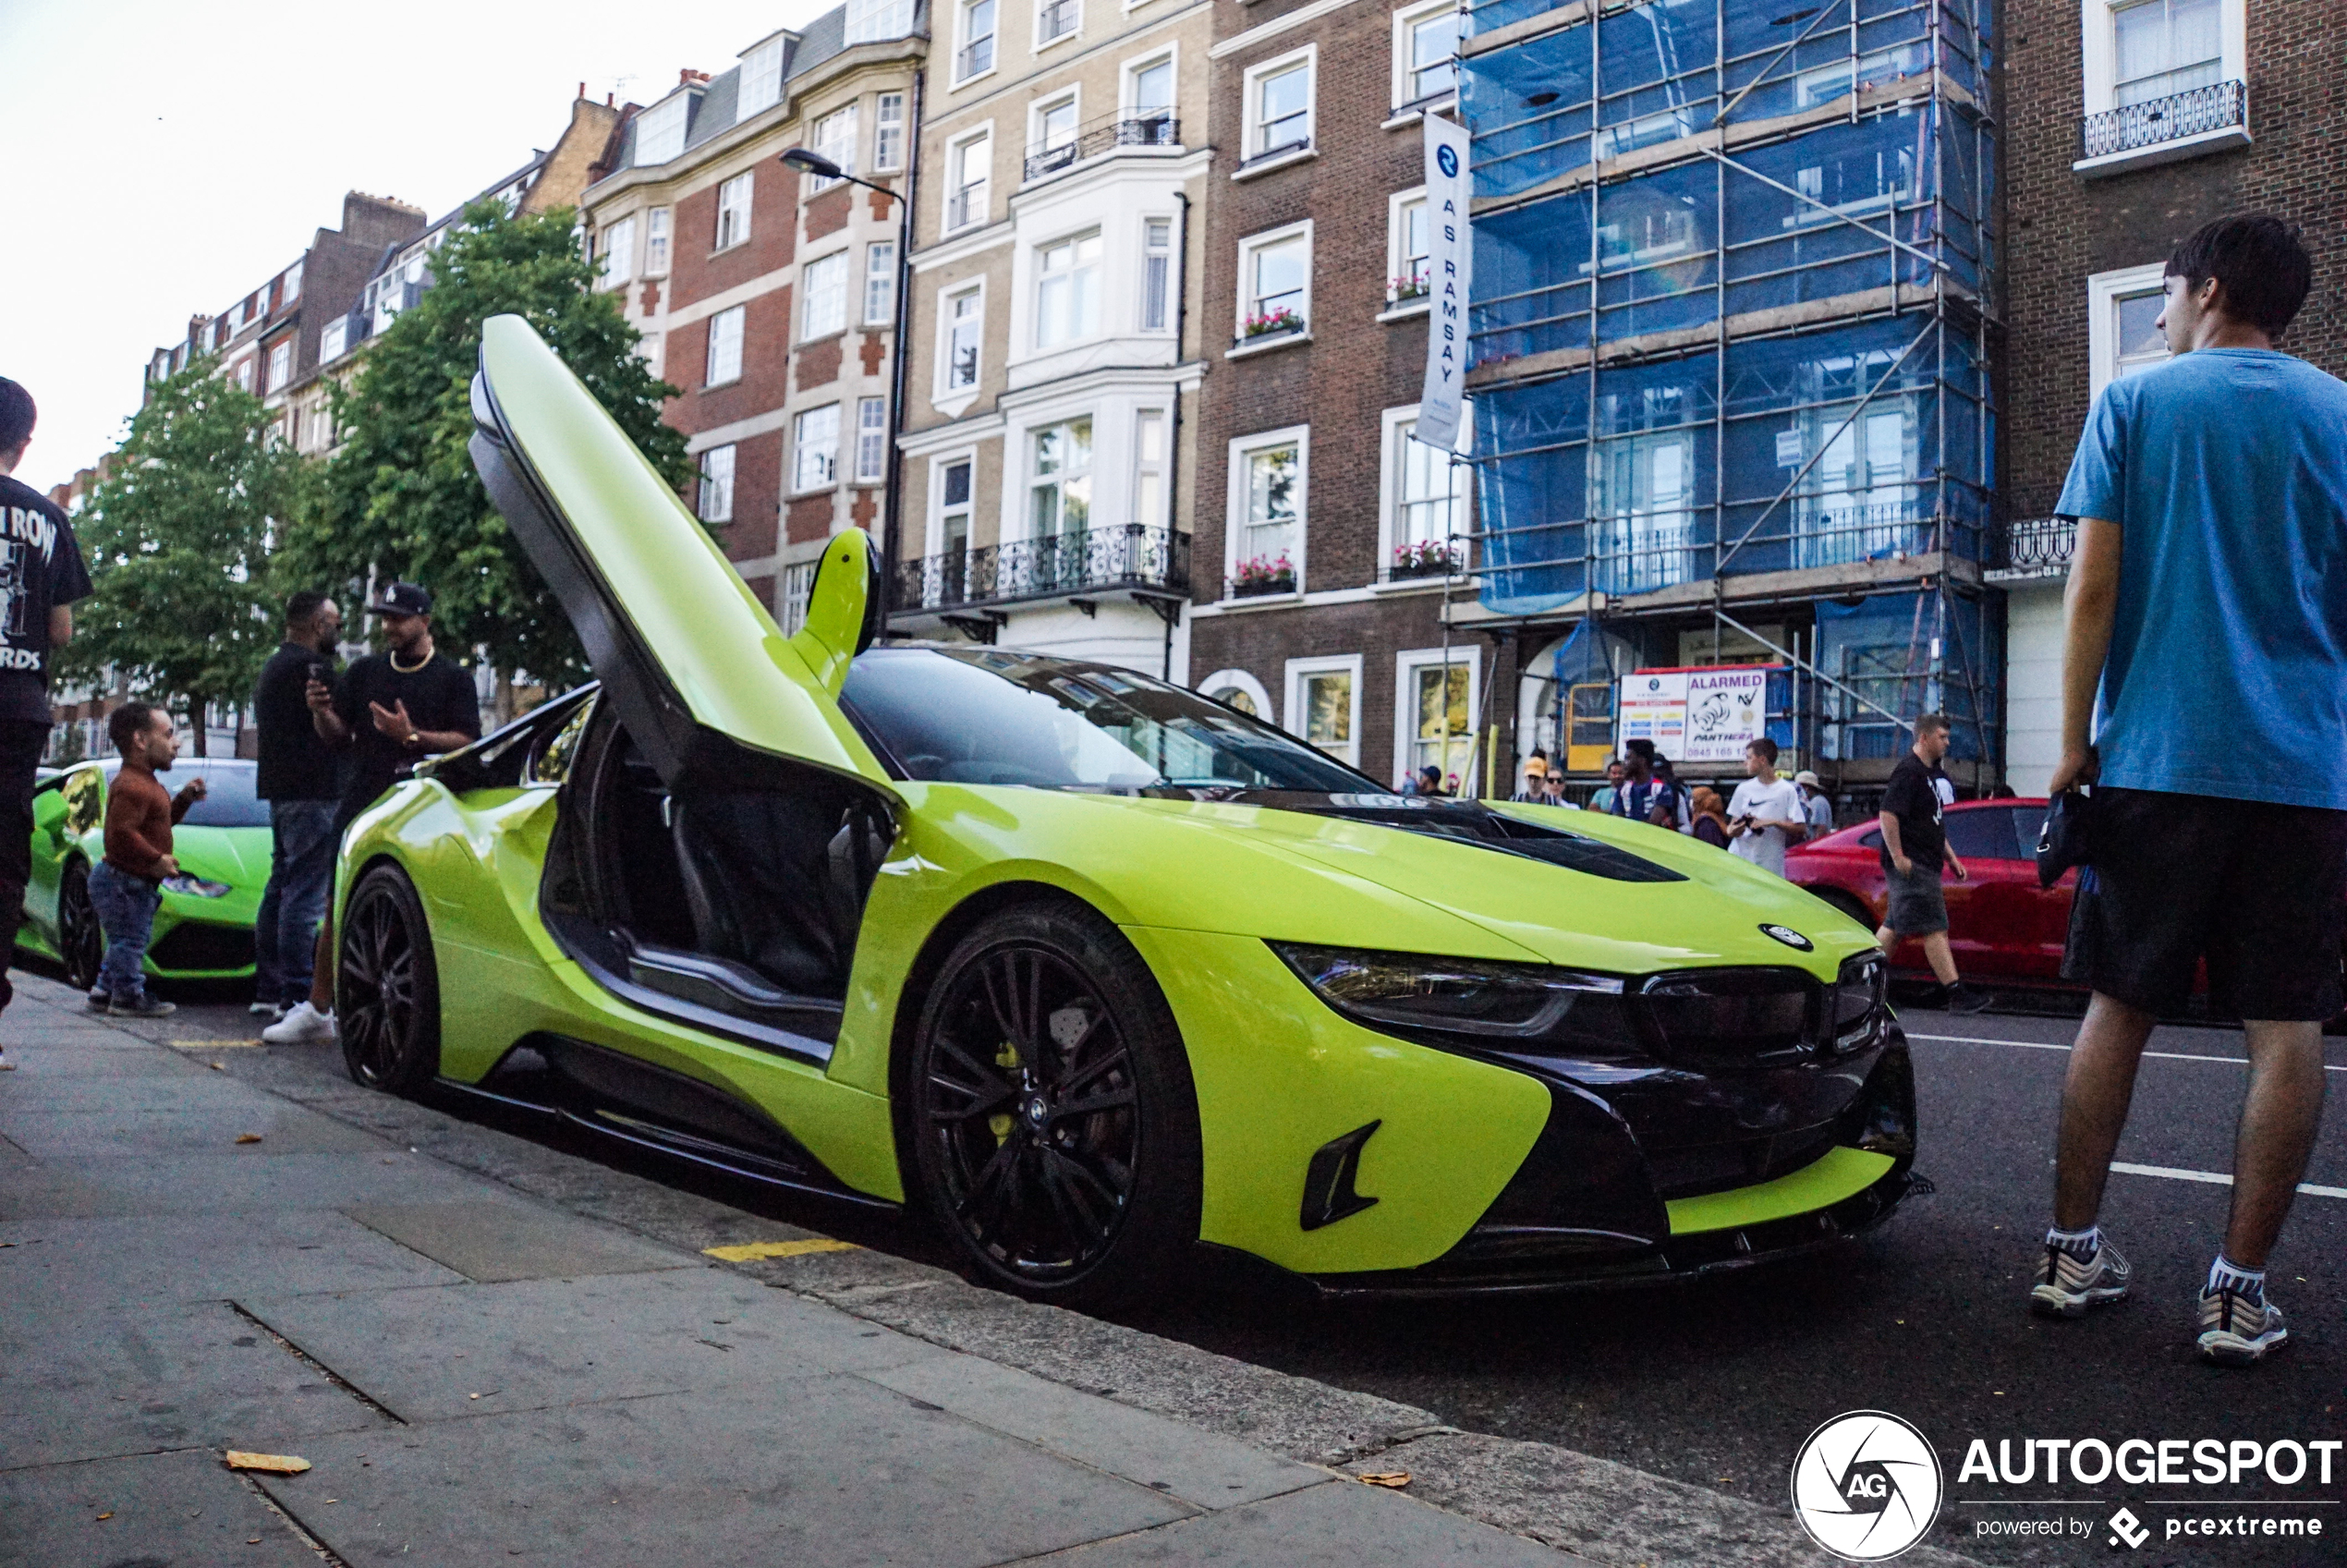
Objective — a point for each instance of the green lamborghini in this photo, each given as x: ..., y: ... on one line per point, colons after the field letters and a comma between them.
x: 1084, y: 969
x: 204, y: 927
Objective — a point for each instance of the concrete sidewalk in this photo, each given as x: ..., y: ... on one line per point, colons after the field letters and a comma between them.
x: 190, y: 1264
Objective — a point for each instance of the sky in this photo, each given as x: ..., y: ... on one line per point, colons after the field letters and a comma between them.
x: 174, y: 155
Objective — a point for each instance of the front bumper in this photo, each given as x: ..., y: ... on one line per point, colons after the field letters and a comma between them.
x: 1587, y: 1210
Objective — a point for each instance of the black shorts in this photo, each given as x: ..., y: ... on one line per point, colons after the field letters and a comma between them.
x: 2257, y: 890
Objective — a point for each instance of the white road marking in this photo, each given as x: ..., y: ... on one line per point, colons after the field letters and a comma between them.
x: 2215, y: 1178
x: 2048, y: 1045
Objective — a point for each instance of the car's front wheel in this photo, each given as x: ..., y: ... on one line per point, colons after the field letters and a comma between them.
x: 81, y: 942
x: 386, y: 986
x: 1052, y: 1119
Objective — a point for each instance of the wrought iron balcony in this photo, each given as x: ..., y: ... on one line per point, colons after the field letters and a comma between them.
x: 1095, y: 561
x: 973, y: 57
x: 1146, y: 127
x: 2031, y: 547
x: 2218, y: 106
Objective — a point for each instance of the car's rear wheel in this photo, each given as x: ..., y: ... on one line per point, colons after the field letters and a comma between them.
x: 1052, y: 1119
x: 386, y: 987
x: 81, y: 942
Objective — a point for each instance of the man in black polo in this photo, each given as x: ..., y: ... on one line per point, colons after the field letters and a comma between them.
x: 389, y: 710
x: 40, y: 576
x: 296, y: 775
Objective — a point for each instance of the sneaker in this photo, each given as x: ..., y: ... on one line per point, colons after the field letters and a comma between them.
x: 99, y: 1001
x: 2237, y: 1329
x: 302, y: 1025
x: 140, y: 1006
x: 2067, y: 1284
x: 260, y: 1009
x: 1962, y: 998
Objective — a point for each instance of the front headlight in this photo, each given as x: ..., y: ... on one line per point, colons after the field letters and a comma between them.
x: 1858, y: 1002
x: 196, y: 887
x: 1520, y: 1007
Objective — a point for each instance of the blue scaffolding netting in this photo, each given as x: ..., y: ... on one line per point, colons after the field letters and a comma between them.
x: 1731, y: 263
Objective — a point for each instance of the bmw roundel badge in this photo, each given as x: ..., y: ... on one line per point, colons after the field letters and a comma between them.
x: 1788, y: 936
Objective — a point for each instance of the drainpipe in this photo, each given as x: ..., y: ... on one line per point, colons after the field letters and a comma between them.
x: 892, y: 525
x: 1173, y: 433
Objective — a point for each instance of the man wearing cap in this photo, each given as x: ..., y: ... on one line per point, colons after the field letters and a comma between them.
x: 1815, y: 804
x: 388, y: 711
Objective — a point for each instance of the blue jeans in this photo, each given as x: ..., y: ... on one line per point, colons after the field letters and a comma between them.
x: 301, y: 871
x: 126, y: 907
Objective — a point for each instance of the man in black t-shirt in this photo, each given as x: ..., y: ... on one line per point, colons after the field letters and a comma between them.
x: 1915, y: 846
x: 388, y: 710
x: 297, y: 776
x: 40, y: 576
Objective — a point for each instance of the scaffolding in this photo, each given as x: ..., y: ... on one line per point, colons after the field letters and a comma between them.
x: 1731, y: 335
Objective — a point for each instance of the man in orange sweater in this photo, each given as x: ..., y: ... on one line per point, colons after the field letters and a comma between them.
x: 127, y: 886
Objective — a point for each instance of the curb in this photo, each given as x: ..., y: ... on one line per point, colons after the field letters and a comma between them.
x: 1596, y: 1508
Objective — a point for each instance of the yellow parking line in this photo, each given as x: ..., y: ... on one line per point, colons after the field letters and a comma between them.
x: 208, y: 1044
x: 750, y: 1252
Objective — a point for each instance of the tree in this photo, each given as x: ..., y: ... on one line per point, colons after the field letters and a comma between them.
x: 176, y: 540
x: 400, y: 500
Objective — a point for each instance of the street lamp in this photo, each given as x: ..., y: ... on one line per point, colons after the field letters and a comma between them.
x: 890, y: 540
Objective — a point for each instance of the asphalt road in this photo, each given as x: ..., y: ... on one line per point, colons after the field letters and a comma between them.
x: 1718, y: 1384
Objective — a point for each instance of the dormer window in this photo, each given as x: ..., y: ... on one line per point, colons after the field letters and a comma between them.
x: 762, y: 78
x: 660, y: 130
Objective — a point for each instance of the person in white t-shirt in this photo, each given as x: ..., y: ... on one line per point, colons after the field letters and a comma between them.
x: 1766, y: 814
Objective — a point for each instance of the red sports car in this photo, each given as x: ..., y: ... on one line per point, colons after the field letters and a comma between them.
x: 2003, y: 928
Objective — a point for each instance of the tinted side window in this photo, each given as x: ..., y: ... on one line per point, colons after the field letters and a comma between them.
x: 1982, y: 835
x: 1873, y: 840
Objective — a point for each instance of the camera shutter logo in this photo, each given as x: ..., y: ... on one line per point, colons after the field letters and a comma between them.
x: 1866, y: 1486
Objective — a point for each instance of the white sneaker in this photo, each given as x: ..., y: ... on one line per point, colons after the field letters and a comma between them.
x: 265, y: 1010
x: 303, y: 1026
x: 2238, y: 1332
x: 2067, y: 1285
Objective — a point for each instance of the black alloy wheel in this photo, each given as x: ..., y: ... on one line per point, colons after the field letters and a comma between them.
x: 1052, y: 1119
x: 386, y: 987
x: 81, y: 942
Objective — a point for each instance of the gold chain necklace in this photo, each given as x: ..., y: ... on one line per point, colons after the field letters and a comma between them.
x: 410, y: 669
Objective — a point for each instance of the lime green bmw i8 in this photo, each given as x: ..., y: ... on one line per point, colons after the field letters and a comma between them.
x: 1084, y: 969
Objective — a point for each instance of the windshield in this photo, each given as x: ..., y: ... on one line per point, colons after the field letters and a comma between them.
x: 991, y: 716
x: 228, y: 799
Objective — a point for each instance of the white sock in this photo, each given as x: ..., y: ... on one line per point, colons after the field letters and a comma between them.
x: 2081, y: 1245
x: 2226, y: 1274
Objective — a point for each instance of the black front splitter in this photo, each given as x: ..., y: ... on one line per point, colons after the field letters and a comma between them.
x: 1681, y: 1262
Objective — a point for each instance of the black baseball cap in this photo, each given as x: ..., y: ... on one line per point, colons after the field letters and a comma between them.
x: 401, y: 599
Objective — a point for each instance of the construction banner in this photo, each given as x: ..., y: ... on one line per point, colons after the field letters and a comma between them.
x: 1703, y: 715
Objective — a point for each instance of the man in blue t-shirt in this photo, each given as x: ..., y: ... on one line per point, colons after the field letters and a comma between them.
x: 2207, y: 607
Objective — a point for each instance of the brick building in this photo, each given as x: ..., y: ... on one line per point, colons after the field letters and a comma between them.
x: 769, y: 299
x: 1325, y: 534
x: 1057, y: 343
x: 268, y: 342
x: 400, y: 270
x: 2129, y: 126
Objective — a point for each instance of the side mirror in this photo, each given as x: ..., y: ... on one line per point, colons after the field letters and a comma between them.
x: 843, y: 608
